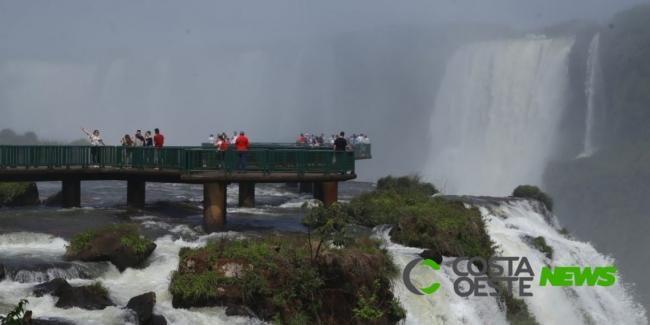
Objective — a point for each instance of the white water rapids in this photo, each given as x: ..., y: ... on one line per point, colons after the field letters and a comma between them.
x: 507, y: 223
x: 496, y: 114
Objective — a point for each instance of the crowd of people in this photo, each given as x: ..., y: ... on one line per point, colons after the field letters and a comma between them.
x: 137, y: 140
x: 241, y: 146
x: 314, y: 140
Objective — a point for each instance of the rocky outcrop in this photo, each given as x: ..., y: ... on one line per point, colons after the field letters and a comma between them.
x: 143, y: 305
x: 2, y: 272
x: 54, y: 288
x: 18, y: 194
x: 54, y: 200
x: 84, y: 298
x: 108, y: 246
x: 91, y: 297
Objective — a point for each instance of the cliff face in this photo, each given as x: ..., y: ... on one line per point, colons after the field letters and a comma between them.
x: 18, y: 194
x: 608, y: 190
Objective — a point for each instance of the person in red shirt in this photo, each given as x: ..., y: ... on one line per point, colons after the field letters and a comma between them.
x: 241, y: 145
x: 158, y: 139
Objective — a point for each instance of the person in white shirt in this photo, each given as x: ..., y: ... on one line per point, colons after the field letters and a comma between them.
x: 234, y: 138
x: 332, y: 138
x: 211, y: 138
x: 359, y: 139
x: 366, y: 140
x: 95, y: 141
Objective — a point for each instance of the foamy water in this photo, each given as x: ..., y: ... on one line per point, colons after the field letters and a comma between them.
x: 549, y: 305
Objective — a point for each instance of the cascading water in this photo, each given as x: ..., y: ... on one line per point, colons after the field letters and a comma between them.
x: 592, y: 91
x: 508, y: 222
x: 496, y: 114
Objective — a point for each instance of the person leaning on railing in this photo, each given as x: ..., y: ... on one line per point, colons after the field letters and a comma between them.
x: 241, y: 145
x: 340, y: 145
x: 95, y: 141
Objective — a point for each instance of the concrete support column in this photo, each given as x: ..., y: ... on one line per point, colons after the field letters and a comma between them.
x: 329, y: 193
x: 214, y: 206
x: 291, y: 185
x: 305, y: 187
x: 135, y: 194
x: 247, y: 195
x: 318, y: 191
x: 71, y: 193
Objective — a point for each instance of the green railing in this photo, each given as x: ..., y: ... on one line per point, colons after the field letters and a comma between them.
x: 361, y: 151
x: 186, y: 159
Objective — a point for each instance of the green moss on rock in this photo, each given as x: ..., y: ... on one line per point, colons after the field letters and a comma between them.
x: 278, y: 279
x: 533, y: 192
x: 18, y: 194
x: 539, y: 243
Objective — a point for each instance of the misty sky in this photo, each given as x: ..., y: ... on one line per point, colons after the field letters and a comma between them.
x: 43, y: 27
x: 196, y: 67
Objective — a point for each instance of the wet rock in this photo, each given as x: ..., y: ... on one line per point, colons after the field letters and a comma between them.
x: 108, y: 247
x: 54, y: 287
x: 432, y: 255
x: 142, y: 305
x: 2, y: 272
x: 17, y: 194
x: 157, y: 320
x: 53, y: 321
x: 84, y: 298
x: 54, y: 200
x: 238, y: 310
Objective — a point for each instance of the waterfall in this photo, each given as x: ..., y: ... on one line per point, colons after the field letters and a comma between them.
x: 592, y: 87
x: 509, y: 222
x: 495, y: 118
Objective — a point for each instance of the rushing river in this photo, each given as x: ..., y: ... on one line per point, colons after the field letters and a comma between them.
x: 33, y: 239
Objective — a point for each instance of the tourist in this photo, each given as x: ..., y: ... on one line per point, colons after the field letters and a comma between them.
x: 234, y: 138
x: 211, y: 138
x: 148, y: 140
x: 366, y: 140
x: 138, y: 140
x: 340, y: 145
x: 222, y: 147
x: 158, y: 139
x: 95, y: 141
x: 126, y: 141
x: 241, y: 145
x: 332, y: 138
x: 126, y: 156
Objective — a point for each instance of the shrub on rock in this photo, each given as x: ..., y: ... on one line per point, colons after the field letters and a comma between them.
x: 19, y: 194
x: 121, y: 244
x: 533, y: 192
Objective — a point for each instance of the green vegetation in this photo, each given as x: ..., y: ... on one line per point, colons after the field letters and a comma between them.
x: 293, y: 279
x: 8, y: 191
x: 517, y: 312
x: 444, y: 226
x: 539, y: 243
x: 439, y: 224
x: 565, y: 232
x: 129, y: 235
x: 533, y: 192
x: 384, y: 205
x: 15, y: 317
x: 99, y: 289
